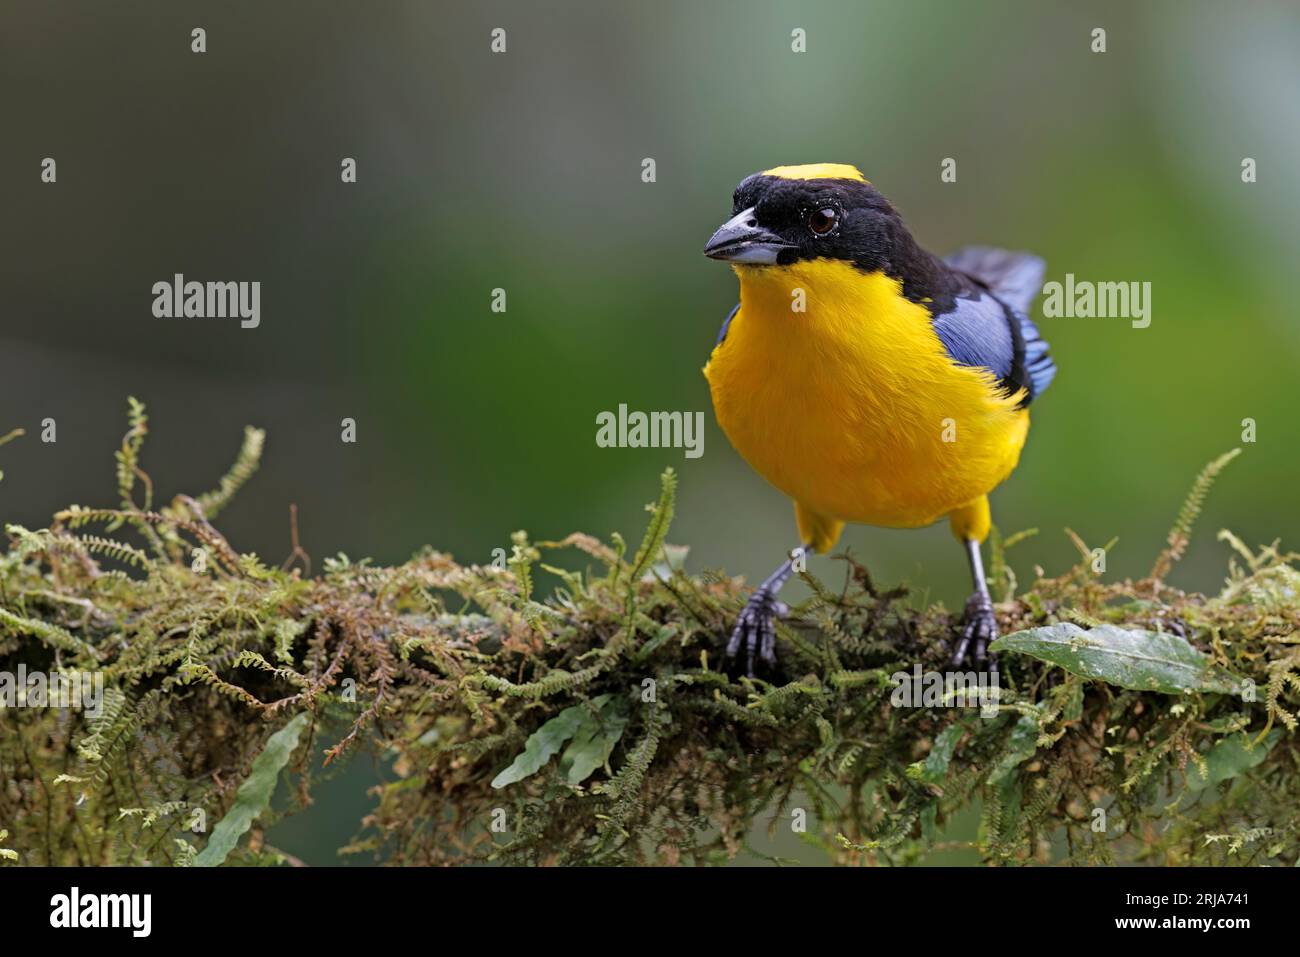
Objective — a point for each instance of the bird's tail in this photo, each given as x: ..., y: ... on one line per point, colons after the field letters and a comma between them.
x: 1015, y: 278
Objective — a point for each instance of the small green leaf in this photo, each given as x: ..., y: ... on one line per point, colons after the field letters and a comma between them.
x: 674, y: 560
x: 254, y: 795
x: 1128, y: 658
x: 935, y: 767
x: 593, y: 741
x: 546, y: 741
x: 1021, y: 745
x: 664, y: 634
x: 1237, y: 721
x: 1229, y: 757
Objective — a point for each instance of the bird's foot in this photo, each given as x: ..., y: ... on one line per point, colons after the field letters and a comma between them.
x: 979, y: 628
x: 756, y: 629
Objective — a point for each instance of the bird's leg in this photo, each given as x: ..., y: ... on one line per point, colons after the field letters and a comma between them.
x: 755, y: 626
x: 979, y: 624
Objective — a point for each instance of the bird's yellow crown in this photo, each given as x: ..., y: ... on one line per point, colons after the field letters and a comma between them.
x: 817, y: 171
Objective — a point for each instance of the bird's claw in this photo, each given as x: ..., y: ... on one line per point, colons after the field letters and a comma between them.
x: 979, y: 628
x: 756, y: 629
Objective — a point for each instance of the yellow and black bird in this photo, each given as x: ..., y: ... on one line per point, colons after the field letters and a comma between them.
x: 867, y: 379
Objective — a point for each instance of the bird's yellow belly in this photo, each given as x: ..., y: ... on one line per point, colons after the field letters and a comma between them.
x: 853, y: 408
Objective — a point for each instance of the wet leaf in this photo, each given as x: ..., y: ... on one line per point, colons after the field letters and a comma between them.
x: 1127, y: 658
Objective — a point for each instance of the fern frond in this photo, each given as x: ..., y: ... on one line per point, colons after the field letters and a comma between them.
x: 114, y: 549
x: 1180, y: 534
x: 128, y: 456
x: 245, y: 464
x: 51, y: 634
x: 661, y: 517
x: 553, y: 683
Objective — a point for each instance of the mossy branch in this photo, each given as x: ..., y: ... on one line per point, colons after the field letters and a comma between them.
x: 624, y: 740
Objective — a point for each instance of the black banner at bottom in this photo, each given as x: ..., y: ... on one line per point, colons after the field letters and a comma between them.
x: 363, y: 905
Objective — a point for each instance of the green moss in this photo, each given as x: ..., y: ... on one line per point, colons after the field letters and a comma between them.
x: 636, y: 746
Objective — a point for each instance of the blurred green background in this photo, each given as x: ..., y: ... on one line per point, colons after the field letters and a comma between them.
x: 522, y: 171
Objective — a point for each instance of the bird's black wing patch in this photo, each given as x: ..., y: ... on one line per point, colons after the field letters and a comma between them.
x: 726, y: 324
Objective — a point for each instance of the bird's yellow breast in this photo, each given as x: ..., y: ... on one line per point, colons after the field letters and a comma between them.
x: 852, y: 407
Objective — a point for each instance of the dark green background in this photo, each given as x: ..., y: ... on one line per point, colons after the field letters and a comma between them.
x: 522, y: 171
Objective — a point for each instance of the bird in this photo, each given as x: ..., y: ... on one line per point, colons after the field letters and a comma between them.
x: 868, y: 379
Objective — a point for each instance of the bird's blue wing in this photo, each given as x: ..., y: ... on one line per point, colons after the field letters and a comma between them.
x: 989, y: 327
x: 977, y: 333
x: 726, y: 324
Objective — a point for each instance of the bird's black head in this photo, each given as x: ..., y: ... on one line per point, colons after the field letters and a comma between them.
x: 822, y: 211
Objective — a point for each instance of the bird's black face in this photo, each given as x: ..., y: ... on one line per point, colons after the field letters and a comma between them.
x: 778, y: 221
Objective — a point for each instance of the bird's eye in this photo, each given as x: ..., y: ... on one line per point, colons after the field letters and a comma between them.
x: 822, y: 221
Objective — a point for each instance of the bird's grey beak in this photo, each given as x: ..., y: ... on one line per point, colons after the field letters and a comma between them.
x: 741, y: 240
